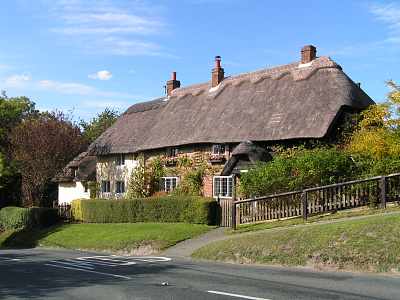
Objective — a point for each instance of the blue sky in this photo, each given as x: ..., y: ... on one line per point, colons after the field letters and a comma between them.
x: 84, y: 55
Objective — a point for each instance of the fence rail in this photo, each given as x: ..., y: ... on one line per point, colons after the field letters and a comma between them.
x: 375, y: 191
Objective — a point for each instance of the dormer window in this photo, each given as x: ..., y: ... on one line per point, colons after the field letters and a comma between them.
x: 120, y: 161
x: 172, y: 152
x: 218, y: 149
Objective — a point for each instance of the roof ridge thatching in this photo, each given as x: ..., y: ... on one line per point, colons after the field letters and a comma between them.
x: 293, y: 101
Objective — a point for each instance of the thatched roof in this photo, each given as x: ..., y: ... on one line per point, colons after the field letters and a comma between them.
x: 245, y: 155
x: 84, y: 164
x: 289, y: 102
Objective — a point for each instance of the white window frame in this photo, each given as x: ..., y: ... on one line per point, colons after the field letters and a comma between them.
x: 218, y: 146
x: 120, y: 160
x: 172, y: 151
x: 116, y: 187
x: 164, y: 181
x: 229, y: 194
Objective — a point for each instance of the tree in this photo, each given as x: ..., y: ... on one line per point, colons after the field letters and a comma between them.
x: 42, y: 146
x: 95, y: 127
x: 12, y: 112
x: 376, y: 143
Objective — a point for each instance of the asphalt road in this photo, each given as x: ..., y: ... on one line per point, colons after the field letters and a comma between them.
x: 60, y: 274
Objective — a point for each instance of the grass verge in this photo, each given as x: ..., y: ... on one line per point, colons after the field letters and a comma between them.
x: 362, y: 211
x: 133, y: 238
x: 370, y: 244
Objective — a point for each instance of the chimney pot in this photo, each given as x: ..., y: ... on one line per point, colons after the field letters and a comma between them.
x: 172, y: 84
x: 308, y: 54
x: 217, y: 74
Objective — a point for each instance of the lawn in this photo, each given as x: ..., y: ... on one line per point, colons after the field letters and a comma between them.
x: 369, y: 244
x: 139, y: 238
x: 362, y: 211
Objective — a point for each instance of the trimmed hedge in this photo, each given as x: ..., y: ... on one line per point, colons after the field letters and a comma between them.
x: 17, y: 217
x: 186, y: 209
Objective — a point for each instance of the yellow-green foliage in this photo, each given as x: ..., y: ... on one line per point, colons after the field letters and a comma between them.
x: 76, y: 209
x: 375, y: 146
x: 376, y: 143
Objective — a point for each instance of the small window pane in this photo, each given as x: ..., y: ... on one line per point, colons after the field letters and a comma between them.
x: 168, y: 184
x: 223, y: 186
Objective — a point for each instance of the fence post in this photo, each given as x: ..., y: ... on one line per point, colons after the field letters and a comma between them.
x: 233, y: 209
x: 233, y: 225
x: 304, y: 201
x: 382, y: 195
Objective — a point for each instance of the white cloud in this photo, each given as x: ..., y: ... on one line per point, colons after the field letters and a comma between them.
x: 17, y: 80
x: 107, y: 28
x: 389, y: 14
x: 101, y: 75
x: 73, y: 88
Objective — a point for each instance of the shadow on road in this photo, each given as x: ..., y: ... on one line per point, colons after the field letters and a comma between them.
x: 35, y: 280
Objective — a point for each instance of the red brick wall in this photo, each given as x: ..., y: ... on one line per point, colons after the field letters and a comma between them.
x: 208, y: 186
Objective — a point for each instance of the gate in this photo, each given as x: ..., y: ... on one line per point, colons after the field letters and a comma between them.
x: 225, y: 212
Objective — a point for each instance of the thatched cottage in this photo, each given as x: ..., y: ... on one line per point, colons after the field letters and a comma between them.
x: 227, y: 122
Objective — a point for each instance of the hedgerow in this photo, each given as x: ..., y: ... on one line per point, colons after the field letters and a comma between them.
x: 19, y: 218
x: 186, y: 209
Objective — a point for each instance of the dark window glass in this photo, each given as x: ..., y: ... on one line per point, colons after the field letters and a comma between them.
x: 120, y: 160
x: 218, y: 149
x: 120, y: 187
x: 172, y: 152
x: 105, y: 186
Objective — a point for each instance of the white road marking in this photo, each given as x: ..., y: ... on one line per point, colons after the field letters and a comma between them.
x: 9, y: 259
x: 89, y: 271
x: 74, y: 264
x: 236, y: 295
x: 89, y: 263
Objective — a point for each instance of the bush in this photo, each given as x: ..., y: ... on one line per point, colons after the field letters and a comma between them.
x: 18, y: 218
x: 301, y: 169
x: 187, y: 209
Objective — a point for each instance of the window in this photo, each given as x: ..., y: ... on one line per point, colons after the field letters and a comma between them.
x: 120, y: 187
x: 120, y: 160
x: 172, y: 152
x: 222, y: 186
x: 218, y: 149
x: 105, y: 186
x: 168, y: 184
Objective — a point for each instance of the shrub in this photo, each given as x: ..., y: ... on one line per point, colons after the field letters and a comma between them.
x: 301, y: 169
x: 158, y: 209
x: 18, y: 218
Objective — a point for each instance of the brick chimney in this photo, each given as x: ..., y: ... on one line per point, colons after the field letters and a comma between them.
x: 308, y: 54
x: 172, y: 84
x: 217, y: 74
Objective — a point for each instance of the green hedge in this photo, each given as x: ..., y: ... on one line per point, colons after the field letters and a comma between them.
x: 18, y: 217
x: 186, y: 209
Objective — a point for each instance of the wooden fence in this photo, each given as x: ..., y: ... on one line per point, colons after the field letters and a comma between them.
x: 375, y: 191
x: 64, y: 210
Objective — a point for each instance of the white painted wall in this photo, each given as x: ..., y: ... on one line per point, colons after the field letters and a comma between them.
x: 68, y: 191
x: 106, y: 169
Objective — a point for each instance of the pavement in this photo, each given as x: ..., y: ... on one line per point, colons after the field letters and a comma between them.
x: 186, y: 248
x: 63, y: 274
